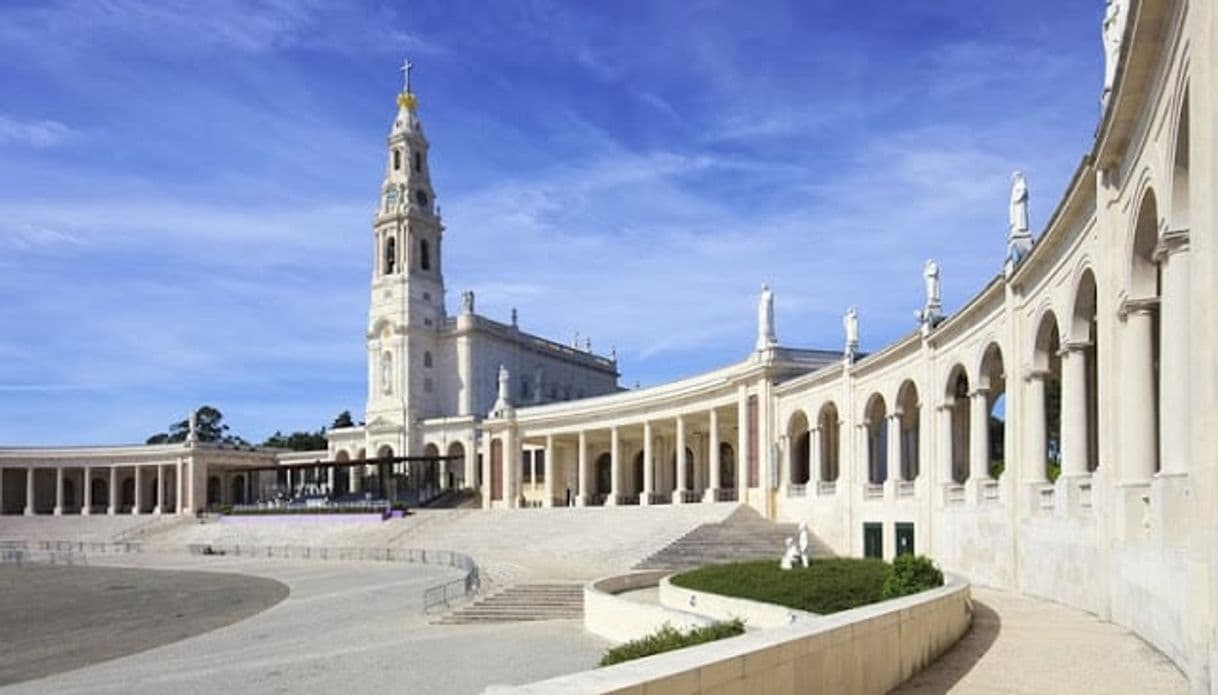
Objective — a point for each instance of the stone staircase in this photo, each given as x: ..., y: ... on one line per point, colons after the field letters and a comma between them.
x: 744, y: 535
x: 522, y: 602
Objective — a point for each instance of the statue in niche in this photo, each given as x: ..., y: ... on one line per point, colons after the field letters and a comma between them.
x: 851, y: 323
x: 387, y: 373
x: 1113, y: 35
x: 803, y: 543
x: 467, y: 302
x: 790, y: 557
x: 765, y: 319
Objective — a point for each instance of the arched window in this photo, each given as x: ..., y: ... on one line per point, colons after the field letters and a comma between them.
x: 418, y: 161
x: 427, y: 359
x: 397, y: 160
x: 424, y: 255
x: 391, y: 254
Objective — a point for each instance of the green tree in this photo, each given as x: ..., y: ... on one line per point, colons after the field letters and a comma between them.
x: 209, y: 427
x: 297, y: 441
x: 343, y: 420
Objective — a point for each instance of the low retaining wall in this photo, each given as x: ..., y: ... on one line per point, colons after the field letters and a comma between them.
x: 620, y: 620
x: 755, y: 614
x: 300, y: 518
x: 865, y: 650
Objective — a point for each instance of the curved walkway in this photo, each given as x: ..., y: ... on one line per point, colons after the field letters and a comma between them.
x: 1023, y: 645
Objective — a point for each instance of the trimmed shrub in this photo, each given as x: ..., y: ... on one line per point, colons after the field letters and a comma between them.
x: 669, y: 638
x: 911, y: 574
x: 828, y: 586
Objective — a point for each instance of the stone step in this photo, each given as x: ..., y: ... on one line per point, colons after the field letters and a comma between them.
x: 522, y: 602
x: 742, y: 536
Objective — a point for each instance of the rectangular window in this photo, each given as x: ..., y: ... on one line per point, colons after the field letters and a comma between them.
x: 905, y: 538
x: 873, y: 540
x: 526, y: 466
x: 539, y: 466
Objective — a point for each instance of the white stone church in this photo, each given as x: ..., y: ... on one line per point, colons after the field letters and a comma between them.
x: 1108, y: 315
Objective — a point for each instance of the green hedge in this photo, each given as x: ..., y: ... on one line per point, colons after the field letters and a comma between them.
x: 911, y: 574
x: 828, y: 586
x: 669, y: 638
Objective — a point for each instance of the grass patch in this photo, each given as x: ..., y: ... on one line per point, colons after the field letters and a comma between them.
x: 828, y: 586
x: 669, y: 638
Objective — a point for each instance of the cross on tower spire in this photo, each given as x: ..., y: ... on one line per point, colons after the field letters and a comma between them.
x: 407, y: 66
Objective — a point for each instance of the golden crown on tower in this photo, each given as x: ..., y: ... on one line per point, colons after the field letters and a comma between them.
x: 407, y: 101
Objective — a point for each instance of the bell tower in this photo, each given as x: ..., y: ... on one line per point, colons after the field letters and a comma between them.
x: 407, y: 304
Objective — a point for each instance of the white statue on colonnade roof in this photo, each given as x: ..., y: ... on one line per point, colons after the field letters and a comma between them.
x: 1114, y: 35
x: 765, y: 319
x: 850, y: 322
x: 1019, y: 239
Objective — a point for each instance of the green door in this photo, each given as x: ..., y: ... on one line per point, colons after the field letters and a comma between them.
x: 873, y: 540
x: 905, y: 538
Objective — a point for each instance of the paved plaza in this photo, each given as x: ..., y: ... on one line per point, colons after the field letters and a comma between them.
x: 1024, y: 646
x: 344, y: 627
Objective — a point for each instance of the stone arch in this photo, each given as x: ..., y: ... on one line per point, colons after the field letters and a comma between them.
x: 1046, y: 362
x: 431, y: 450
x: 127, y: 494
x: 1141, y: 346
x: 830, y: 442
x: 391, y: 255
x: 341, y: 456
x: 875, y: 420
x: 424, y: 255
x: 100, y: 492
x: 214, y: 491
x: 456, y: 468
x: 384, y: 452
x: 991, y: 380
x: 238, y: 490
x: 1084, y: 336
x: 1180, y: 169
x: 956, y: 402
x: 727, y: 465
x: 799, y: 446
x: 603, y: 475
x: 908, y: 410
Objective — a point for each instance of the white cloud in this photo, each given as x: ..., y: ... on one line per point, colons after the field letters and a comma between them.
x: 33, y: 133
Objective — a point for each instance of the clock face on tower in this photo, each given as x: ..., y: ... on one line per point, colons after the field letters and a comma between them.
x: 420, y: 197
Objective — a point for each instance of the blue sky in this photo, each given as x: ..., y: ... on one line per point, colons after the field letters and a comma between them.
x: 186, y: 188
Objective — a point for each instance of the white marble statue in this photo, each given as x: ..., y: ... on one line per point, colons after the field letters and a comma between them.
x: 930, y: 275
x: 192, y: 427
x: 803, y: 543
x: 1114, y: 34
x: 1018, y: 215
x: 765, y: 319
x: 790, y: 557
x: 851, y: 323
x: 503, y: 403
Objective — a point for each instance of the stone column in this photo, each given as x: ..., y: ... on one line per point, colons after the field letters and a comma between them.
x: 581, y: 472
x: 648, y: 466
x: 814, y: 457
x: 87, y: 494
x: 615, y: 469
x: 139, y: 493
x: 179, y: 488
x: 1074, y: 410
x: 548, y: 499
x: 1137, y: 427
x: 979, y: 435
x: 893, y: 468
x: 58, y: 511
x: 29, y: 491
x: 330, y: 479
x: 160, y: 489
x: 1036, y: 429
x: 678, y: 494
x: 112, y: 498
x: 1175, y: 346
x: 354, y: 475
x: 712, y: 445
x: 742, y: 445
x: 946, y: 445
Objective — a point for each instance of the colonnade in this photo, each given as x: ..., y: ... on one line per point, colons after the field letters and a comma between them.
x: 120, y: 488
